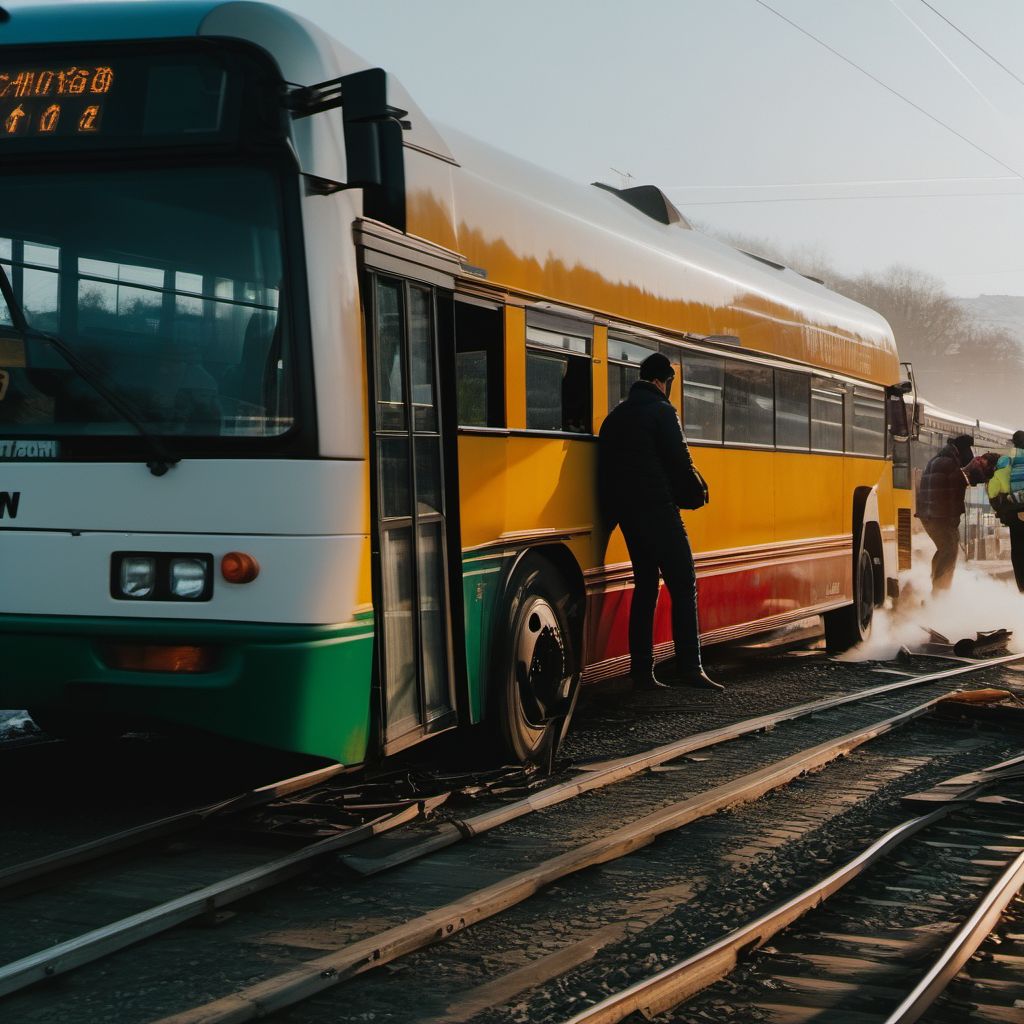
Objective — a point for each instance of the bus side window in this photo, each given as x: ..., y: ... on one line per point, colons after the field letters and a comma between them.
x: 865, y: 422
x: 792, y: 410
x: 624, y: 359
x: 558, y: 378
x: 390, y: 370
x: 826, y: 416
x: 479, y: 365
x: 702, y: 397
x: 749, y: 404
x: 901, y: 464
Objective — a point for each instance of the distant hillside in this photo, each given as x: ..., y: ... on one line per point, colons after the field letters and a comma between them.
x: 1002, y: 311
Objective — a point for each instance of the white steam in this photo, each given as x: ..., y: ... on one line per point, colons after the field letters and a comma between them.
x: 977, y: 602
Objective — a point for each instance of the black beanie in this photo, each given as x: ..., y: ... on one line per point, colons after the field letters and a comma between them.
x: 1018, y: 439
x: 963, y: 445
x: 656, y: 367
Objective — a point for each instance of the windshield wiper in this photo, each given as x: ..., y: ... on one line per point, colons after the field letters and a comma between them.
x: 160, y: 459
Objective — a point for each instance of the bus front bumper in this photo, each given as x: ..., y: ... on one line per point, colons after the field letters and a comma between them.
x: 297, y: 688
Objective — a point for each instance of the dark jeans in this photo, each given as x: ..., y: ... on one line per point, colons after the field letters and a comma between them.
x: 1016, y: 528
x: 945, y: 535
x: 658, y: 543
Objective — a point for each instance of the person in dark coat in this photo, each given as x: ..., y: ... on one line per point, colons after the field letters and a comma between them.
x: 645, y: 474
x: 940, y: 504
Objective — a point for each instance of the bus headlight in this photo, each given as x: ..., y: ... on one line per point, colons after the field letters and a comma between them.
x: 137, y: 576
x: 188, y: 577
x: 161, y: 576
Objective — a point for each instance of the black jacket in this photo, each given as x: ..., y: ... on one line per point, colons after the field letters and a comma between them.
x: 941, y: 493
x: 644, y: 464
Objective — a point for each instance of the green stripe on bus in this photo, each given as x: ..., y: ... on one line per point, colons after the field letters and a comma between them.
x: 482, y: 579
x: 300, y: 688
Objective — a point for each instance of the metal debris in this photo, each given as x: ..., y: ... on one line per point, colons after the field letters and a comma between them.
x: 333, y: 808
x: 984, y: 645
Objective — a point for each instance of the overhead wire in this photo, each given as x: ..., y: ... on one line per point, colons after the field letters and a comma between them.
x: 956, y: 28
x: 864, y: 182
x: 919, y: 28
x: 1016, y: 175
x: 859, y: 181
x: 832, y: 199
x: 888, y: 88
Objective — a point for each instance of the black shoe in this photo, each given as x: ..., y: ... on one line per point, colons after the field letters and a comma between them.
x: 648, y: 681
x: 697, y: 678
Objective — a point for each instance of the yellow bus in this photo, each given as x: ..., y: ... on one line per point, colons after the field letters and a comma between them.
x: 364, y: 360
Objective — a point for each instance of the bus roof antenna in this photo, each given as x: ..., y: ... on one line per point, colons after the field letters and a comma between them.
x: 624, y: 177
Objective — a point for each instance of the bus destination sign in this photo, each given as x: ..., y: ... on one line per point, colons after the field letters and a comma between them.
x: 58, y: 100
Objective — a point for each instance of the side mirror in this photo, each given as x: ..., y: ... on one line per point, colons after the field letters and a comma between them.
x: 899, y: 420
x: 362, y: 154
x: 374, y: 159
x: 909, y: 387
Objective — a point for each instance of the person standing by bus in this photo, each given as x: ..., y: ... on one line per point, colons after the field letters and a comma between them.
x: 1006, y: 495
x: 645, y: 475
x: 940, y: 504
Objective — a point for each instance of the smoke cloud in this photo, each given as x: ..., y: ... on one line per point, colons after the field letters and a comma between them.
x: 977, y: 602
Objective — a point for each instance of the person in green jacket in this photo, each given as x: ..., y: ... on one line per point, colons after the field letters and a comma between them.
x: 1006, y: 496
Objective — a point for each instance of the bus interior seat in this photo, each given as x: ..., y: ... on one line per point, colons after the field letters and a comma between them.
x: 250, y: 380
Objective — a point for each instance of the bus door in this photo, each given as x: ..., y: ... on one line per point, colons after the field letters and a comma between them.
x: 413, y: 596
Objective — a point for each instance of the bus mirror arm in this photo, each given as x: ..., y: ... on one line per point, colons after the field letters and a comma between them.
x: 367, y: 120
x: 909, y: 387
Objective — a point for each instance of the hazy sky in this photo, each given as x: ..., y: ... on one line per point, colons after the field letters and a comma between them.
x: 746, y: 121
x: 726, y: 105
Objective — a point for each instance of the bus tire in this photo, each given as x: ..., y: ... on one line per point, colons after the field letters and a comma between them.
x: 536, y: 667
x: 849, y: 626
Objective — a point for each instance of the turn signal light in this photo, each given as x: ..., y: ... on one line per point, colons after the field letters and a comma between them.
x: 238, y: 567
x: 160, y: 658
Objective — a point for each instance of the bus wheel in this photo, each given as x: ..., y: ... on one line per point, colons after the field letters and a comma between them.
x: 537, y: 667
x: 849, y: 626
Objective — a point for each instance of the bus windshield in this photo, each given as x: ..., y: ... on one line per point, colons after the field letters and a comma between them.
x: 166, y: 282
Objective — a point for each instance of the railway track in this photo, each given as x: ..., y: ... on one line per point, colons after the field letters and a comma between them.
x: 53, y: 864
x: 254, y: 869
x: 884, y: 934
x: 405, y: 846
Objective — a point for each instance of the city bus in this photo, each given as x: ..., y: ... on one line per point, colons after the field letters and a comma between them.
x: 299, y: 395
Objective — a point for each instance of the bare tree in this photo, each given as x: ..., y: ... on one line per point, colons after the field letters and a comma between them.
x: 961, y: 363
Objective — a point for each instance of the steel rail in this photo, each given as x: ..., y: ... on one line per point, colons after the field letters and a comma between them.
x: 968, y: 787
x: 182, y: 821
x: 93, y: 945
x: 971, y: 935
x: 668, y: 988
x: 610, y: 772
x: 110, y: 938
x: 437, y: 925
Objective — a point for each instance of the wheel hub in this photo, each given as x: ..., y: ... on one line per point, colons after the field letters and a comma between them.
x: 540, y: 662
